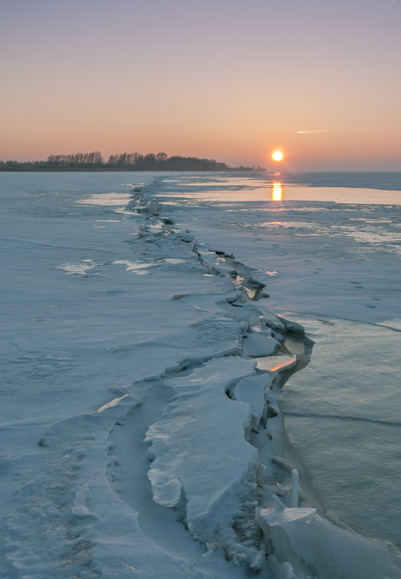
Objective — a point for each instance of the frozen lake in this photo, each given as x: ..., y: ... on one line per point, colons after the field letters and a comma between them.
x: 133, y: 308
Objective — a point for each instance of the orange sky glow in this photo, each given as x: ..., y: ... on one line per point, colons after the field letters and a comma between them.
x: 229, y: 80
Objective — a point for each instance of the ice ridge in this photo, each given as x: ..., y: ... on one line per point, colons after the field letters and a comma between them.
x: 204, y: 460
x: 215, y: 448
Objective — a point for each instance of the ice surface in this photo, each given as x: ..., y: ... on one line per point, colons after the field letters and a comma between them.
x: 95, y: 362
x: 113, y: 199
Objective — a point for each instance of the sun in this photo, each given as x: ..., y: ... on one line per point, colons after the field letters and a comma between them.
x: 278, y: 156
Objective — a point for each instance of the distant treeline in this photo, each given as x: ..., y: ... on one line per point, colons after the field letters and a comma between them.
x: 123, y: 162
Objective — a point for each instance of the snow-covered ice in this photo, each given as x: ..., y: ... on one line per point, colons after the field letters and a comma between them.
x: 142, y: 426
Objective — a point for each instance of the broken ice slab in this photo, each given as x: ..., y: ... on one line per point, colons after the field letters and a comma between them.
x: 252, y: 390
x: 255, y: 294
x: 295, y: 347
x: 302, y: 538
x: 273, y: 321
x: 284, y: 464
x: 166, y: 490
x: 283, y: 516
x: 292, y: 326
x: 256, y: 345
x: 293, y: 497
x: 199, y: 441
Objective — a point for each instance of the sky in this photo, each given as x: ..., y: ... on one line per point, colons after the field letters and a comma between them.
x: 231, y: 80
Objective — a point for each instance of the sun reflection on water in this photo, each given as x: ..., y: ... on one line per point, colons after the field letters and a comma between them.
x: 277, y: 192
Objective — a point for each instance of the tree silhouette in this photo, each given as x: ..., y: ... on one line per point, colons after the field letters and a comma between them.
x: 94, y: 161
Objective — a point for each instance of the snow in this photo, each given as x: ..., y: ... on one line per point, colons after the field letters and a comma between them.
x: 138, y: 268
x: 79, y: 268
x: 113, y: 199
x: 142, y: 413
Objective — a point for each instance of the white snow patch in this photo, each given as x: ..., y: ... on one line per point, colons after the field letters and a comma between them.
x: 138, y: 268
x: 174, y: 260
x: 112, y: 403
x: 272, y: 273
x: 107, y: 199
x: 395, y: 323
x: 80, y: 268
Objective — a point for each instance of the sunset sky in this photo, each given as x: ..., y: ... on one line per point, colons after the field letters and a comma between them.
x: 225, y: 79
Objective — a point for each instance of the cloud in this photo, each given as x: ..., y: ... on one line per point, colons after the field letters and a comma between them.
x: 310, y: 131
x: 352, y: 130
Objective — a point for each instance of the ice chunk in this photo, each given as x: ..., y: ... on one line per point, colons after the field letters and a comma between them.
x: 302, y: 538
x: 252, y: 390
x: 166, y: 491
x: 257, y: 345
x: 294, y: 491
x: 268, y: 517
x: 273, y: 321
x: 295, y: 347
x: 292, y: 326
x: 198, y: 442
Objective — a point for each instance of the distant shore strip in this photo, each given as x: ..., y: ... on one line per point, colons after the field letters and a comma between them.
x: 95, y: 161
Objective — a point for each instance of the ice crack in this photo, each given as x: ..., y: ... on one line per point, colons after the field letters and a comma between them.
x: 211, y: 441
